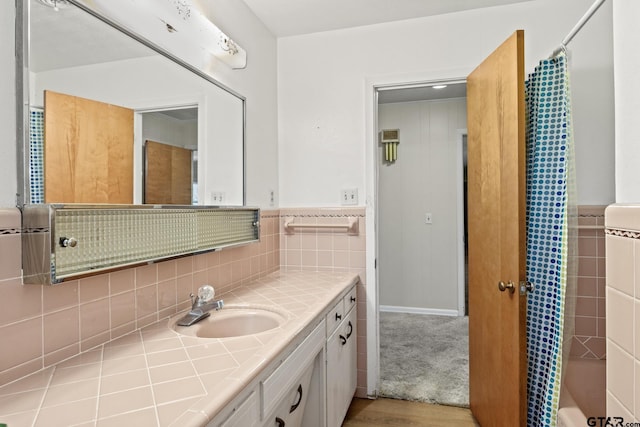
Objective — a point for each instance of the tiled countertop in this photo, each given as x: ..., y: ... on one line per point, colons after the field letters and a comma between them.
x: 155, y: 376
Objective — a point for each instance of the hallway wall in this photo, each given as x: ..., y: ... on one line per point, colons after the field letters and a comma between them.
x: 418, y: 262
x: 324, y: 79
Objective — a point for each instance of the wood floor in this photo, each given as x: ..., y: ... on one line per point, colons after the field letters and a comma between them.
x: 401, y: 413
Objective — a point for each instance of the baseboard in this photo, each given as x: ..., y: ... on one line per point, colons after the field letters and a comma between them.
x: 418, y: 310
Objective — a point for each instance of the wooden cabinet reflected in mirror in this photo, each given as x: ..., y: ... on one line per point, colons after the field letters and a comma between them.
x: 88, y: 151
x: 168, y: 174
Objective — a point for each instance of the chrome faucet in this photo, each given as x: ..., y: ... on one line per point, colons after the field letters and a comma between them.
x: 200, y: 308
x: 198, y: 303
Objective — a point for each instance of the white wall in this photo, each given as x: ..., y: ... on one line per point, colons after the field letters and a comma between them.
x: 168, y: 130
x: 323, y: 80
x: 257, y: 82
x: 627, y: 99
x: 8, y: 172
x: 418, y: 262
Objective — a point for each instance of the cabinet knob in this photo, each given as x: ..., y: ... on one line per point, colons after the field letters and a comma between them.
x: 338, y: 316
x: 352, y: 299
x: 68, y: 242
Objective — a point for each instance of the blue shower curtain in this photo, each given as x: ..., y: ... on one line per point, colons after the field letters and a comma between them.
x: 550, y: 230
x: 36, y: 155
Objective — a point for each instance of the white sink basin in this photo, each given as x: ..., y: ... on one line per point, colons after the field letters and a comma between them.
x: 232, y: 321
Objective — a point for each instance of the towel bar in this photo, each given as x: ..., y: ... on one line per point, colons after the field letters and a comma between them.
x: 351, y: 226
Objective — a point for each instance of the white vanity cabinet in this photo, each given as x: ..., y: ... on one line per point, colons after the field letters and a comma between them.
x: 310, y: 384
x: 285, y: 392
x: 341, y: 361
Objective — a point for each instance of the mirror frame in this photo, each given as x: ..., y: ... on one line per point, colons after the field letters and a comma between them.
x: 22, y: 43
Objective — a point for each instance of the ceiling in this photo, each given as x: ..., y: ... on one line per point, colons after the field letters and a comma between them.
x: 294, y: 17
x: 70, y: 38
x: 57, y: 34
x: 422, y: 93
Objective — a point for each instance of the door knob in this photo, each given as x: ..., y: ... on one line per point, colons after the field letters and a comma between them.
x: 504, y: 286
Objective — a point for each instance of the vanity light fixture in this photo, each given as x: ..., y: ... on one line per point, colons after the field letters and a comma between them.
x: 439, y: 86
x: 55, y: 4
x: 179, y: 26
x: 228, y: 45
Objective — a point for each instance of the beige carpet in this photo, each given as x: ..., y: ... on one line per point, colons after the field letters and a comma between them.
x: 424, y: 358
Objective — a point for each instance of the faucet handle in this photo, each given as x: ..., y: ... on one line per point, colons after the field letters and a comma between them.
x: 206, y: 293
x: 194, y: 300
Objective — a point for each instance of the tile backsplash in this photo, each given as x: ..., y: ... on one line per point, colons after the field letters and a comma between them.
x: 42, y: 325
x: 330, y: 249
x: 623, y: 308
x: 589, y: 338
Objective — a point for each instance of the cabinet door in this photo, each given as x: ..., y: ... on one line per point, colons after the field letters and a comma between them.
x: 341, y: 369
x: 290, y: 410
x: 247, y: 414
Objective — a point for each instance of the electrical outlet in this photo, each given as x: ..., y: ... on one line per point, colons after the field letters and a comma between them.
x: 427, y: 218
x: 217, y: 197
x: 349, y: 196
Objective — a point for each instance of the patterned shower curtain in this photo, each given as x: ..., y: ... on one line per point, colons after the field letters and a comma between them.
x: 551, y: 235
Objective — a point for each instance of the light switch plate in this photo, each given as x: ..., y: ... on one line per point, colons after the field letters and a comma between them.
x: 349, y: 196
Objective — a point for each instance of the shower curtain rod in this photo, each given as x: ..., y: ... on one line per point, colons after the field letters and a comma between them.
x: 594, y: 7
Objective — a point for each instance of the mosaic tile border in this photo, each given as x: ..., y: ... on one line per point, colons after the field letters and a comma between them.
x: 5, y: 231
x: 622, y: 233
x: 320, y: 212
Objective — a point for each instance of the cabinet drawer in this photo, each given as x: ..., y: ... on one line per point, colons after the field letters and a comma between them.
x: 350, y: 300
x: 278, y: 384
x: 334, y: 317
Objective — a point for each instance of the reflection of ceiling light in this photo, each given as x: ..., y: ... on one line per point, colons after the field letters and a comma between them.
x: 439, y: 86
x: 55, y: 4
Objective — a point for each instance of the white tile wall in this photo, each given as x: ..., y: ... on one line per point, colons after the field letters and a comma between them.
x: 623, y: 311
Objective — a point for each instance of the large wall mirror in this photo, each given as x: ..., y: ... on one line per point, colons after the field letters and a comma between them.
x: 144, y: 128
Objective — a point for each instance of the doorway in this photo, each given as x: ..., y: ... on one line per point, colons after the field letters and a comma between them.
x: 421, y: 244
x: 166, y: 155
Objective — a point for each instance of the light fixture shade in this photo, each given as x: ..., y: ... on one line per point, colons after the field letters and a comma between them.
x: 178, y: 26
x: 390, y: 138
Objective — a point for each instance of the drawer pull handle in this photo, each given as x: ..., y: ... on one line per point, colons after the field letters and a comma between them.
x: 338, y: 316
x: 353, y: 299
x: 350, y: 329
x: 343, y: 340
x: 280, y: 422
x: 297, y: 403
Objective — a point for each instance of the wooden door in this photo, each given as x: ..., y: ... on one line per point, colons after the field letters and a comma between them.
x: 167, y: 179
x: 497, y: 247
x: 88, y: 151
